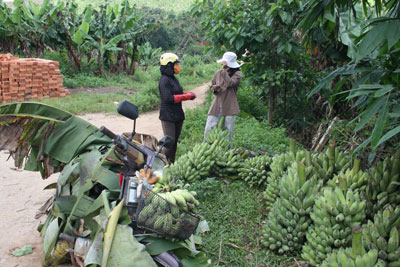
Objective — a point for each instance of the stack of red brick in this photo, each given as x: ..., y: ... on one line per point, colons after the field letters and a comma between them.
x: 29, y: 78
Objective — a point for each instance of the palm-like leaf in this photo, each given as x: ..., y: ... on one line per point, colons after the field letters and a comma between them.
x: 47, y: 137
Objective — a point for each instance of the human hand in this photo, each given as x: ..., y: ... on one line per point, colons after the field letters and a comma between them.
x: 192, y: 95
x: 214, y: 89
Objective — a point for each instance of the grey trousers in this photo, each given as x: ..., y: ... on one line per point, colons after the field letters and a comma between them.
x: 213, y: 121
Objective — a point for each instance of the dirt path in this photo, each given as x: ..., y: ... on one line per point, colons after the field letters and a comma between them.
x: 21, y: 192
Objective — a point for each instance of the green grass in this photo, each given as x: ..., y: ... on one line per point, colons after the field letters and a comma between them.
x: 248, y: 133
x: 141, y: 89
x: 235, y: 217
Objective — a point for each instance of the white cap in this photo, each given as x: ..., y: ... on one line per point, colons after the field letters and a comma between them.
x: 230, y: 59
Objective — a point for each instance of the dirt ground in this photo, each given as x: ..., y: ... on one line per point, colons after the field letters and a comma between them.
x: 22, y: 194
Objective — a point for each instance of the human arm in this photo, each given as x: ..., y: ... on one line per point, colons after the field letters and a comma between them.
x: 167, y: 96
x: 223, y: 81
x: 184, y: 96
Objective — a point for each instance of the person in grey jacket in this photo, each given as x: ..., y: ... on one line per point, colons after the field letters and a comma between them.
x: 224, y: 86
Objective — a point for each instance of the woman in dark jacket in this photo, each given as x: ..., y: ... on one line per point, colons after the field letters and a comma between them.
x: 172, y: 95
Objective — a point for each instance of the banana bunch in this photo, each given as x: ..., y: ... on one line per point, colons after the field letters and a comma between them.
x: 254, y: 170
x: 331, y: 162
x: 218, y: 136
x: 164, y: 216
x: 384, y: 237
x: 227, y: 163
x: 333, y: 215
x: 343, y: 257
x: 355, y: 256
x: 289, y: 218
x: 350, y: 178
x: 382, y: 188
x: 279, y: 166
x: 182, y: 198
x: 195, y: 164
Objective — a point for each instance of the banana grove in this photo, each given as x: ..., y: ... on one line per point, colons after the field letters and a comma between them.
x: 109, y: 34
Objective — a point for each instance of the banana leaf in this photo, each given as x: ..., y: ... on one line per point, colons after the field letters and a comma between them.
x: 50, y: 239
x: 66, y: 203
x: 110, y: 232
x: 126, y: 251
x: 46, y: 137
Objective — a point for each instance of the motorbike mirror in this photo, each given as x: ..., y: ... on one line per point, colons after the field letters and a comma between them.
x: 166, y: 142
x: 128, y: 110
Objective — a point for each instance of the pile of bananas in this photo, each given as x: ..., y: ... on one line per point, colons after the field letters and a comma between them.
x: 195, y: 164
x: 279, y: 166
x: 333, y: 215
x: 227, y: 162
x: 289, y: 218
x: 254, y: 170
x: 164, y: 217
x: 331, y: 162
x: 383, y: 236
x: 343, y: 257
x: 382, y: 188
x: 219, y: 136
x: 350, y: 178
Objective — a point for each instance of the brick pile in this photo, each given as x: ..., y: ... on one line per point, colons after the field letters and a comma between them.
x: 29, y: 78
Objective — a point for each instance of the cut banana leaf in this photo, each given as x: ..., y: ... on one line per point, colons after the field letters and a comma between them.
x: 126, y: 251
x: 157, y: 245
x: 66, y: 203
x: 110, y: 231
x: 50, y: 239
x: 48, y: 137
x: 95, y: 252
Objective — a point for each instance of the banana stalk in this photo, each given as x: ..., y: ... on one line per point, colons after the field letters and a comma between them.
x: 110, y: 231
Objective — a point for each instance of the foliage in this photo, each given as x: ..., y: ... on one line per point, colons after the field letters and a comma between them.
x: 177, y: 6
x: 276, y: 66
x: 359, y: 40
x: 175, y: 32
x: 91, y: 32
x: 370, y: 79
x: 148, y: 55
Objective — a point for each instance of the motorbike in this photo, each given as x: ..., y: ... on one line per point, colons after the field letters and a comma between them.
x: 106, y: 180
x: 139, y: 157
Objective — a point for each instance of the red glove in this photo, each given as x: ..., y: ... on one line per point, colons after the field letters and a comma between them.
x: 184, y: 96
x: 193, y: 96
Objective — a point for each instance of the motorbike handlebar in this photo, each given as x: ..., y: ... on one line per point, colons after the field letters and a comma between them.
x: 107, y: 132
x: 125, y: 146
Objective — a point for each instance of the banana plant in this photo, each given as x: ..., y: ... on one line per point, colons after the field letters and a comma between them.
x: 147, y: 54
x: 102, y: 47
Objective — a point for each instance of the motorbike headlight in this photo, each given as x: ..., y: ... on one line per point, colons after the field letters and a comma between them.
x: 158, y: 166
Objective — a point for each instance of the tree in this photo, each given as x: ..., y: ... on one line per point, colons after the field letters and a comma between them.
x: 369, y: 77
x: 263, y: 34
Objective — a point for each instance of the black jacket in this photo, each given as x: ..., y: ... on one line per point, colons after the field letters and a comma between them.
x: 168, y: 87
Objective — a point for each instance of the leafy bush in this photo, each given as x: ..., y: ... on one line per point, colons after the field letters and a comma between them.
x: 249, y: 102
